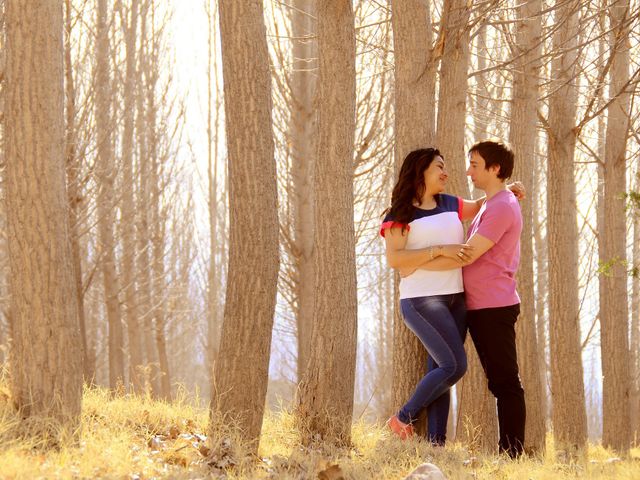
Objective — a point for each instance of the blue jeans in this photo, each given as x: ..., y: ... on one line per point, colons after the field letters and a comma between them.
x: 439, y: 322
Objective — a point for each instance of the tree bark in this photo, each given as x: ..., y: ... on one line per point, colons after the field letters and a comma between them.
x: 46, y: 365
x: 477, y: 422
x: 144, y: 262
x: 326, y: 395
x: 105, y: 175
x: 614, y: 333
x: 542, y: 282
x: 567, y: 383
x: 136, y: 366
x: 383, y: 387
x: 215, y: 235
x: 73, y: 167
x: 523, y: 139
x: 635, y: 324
x: 159, y: 219
x: 477, y: 406
x: 302, y: 132
x: 241, y: 370
x: 415, y: 80
x: 453, y: 48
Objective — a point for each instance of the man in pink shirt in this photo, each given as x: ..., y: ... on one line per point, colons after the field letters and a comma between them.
x: 490, y: 287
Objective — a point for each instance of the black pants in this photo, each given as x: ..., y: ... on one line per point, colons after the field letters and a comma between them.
x: 494, y: 336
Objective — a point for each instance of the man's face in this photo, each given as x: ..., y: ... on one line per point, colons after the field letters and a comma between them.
x: 480, y: 176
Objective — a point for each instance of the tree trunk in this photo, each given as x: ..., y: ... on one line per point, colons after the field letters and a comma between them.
x: 523, y: 138
x: 614, y: 333
x: 326, y: 394
x: 383, y: 391
x: 158, y: 220
x: 46, y: 373
x: 477, y: 422
x: 567, y: 383
x: 542, y: 279
x: 105, y: 174
x: 144, y: 263
x: 4, y: 303
x: 415, y: 79
x: 215, y: 235
x: 635, y: 324
x: 136, y: 375
x: 481, y: 104
x: 73, y: 168
x: 241, y: 370
x: 302, y: 133
x: 159, y: 283
x: 453, y: 48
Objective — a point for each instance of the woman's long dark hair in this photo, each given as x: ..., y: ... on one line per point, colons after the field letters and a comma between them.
x: 410, y: 186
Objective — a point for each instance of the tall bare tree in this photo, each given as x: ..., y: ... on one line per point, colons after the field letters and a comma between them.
x: 452, y: 47
x: 635, y: 322
x: 215, y: 234
x: 129, y: 16
x: 523, y: 138
x: 302, y: 135
x: 477, y: 422
x: 241, y: 369
x: 476, y: 416
x: 542, y: 272
x: 143, y: 264
x: 4, y: 317
x: 105, y: 177
x: 46, y: 377
x: 569, y: 414
x: 614, y: 333
x: 73, y: 167
x: 158, y: 220
x: 326, y: 394
x: 415, y: 78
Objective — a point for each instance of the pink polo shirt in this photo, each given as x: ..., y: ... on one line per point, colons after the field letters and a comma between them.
x: 490, y: 281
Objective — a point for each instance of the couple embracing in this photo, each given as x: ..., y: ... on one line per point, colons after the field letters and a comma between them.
x: 449, y: 286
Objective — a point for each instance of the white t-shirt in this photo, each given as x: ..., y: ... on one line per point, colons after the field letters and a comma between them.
x: 438, y: 226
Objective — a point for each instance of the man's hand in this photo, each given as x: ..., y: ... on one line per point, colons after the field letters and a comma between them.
x: 517, y: 188
x: 459, y: 252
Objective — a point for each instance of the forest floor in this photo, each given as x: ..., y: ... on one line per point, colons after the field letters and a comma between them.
x: 138, y: 438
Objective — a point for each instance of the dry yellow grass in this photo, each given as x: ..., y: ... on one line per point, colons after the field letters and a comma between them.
x: 138, y: 438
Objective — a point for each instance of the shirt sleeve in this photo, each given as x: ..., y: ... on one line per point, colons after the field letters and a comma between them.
x: 495, y: 221
x: 451, y: 203
x: 389, y: 222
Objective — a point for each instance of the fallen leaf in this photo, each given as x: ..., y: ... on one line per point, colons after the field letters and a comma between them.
x: 204, y: 450
x: 333, y: 472
x: 155, y: 443
x: 174, y: 431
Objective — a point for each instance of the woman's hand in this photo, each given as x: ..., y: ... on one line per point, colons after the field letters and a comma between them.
x: 517, y: 188
x: 405, y: 272
x: 458, y: 252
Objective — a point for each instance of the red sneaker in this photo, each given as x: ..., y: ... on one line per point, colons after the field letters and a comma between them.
x: 401, y: 429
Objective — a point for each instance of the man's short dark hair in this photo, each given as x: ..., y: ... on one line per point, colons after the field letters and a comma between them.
x: 495, y: 153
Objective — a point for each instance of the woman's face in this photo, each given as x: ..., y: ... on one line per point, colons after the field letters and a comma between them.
x: 435, y: 177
